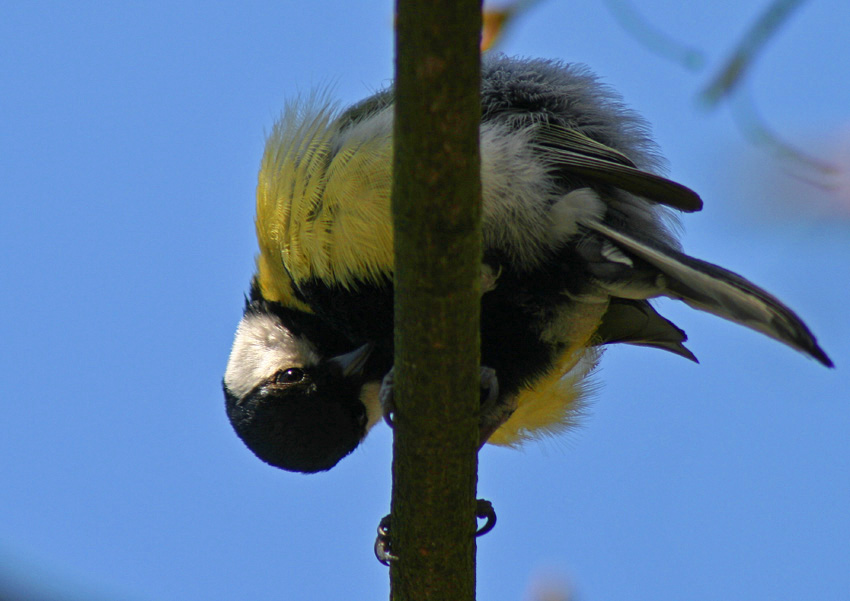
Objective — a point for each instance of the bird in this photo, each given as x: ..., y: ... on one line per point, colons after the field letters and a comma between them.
x: 579, y: 228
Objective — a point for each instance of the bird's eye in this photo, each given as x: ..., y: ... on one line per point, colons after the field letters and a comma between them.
x: 289, y: 376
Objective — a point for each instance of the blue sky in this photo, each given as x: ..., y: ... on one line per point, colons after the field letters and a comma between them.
x: 131, y: 136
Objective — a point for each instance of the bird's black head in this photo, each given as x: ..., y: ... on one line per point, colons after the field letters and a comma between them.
x: 301, y: 419
x: 291, y: 394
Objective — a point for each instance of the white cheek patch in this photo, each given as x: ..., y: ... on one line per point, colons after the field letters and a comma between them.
x: 262, y: 347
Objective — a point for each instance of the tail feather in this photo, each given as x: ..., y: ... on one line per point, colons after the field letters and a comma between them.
x: 637, y: 322
x: 710, y: 288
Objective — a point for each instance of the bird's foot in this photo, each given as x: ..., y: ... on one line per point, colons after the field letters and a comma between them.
x: 387, y: 400
x: 383, y: 550
x: 494, y: 412
x: 383, y: 542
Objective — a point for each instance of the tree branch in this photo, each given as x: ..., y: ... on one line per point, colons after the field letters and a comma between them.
x: 436, y: 215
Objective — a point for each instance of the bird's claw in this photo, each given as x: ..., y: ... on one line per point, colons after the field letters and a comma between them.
x: 484, y: 510
x: 489, y: 383
x: 383, y: 549
x: 490, y: 407
x: 383, y: 542
x: 386, y: 397
x: 495, y: 411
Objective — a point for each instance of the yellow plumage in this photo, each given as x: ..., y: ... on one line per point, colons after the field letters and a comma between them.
x: 553, y: 402
x: 324, y: 212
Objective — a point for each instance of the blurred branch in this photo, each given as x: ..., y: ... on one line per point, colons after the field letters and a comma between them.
x: 753, y: 127
x: 744, y: 55
x: 653, y: 38
x: 727, y: 84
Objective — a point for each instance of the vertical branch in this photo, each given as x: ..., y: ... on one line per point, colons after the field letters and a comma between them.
x: 436, y: 217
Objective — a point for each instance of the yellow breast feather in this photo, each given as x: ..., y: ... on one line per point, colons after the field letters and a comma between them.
x: 553, y: 402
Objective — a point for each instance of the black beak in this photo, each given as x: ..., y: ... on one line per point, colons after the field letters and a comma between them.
x: 353, y: 363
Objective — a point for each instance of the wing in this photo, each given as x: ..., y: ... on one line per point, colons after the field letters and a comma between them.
x: 574, y: 153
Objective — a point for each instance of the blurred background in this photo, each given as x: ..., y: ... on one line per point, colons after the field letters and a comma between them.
x: 131, y: 135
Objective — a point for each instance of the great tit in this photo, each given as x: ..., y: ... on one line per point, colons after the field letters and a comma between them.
x: 578, y: 235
